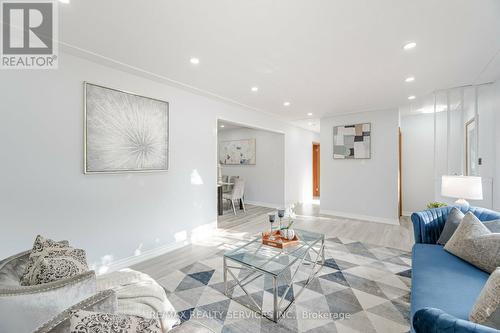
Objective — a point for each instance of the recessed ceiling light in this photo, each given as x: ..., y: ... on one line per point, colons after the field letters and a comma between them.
x: 254, y: 89
x: 64, y: 1
x: 286, y: 103
x: 194, y: 61
x: 412, y: 97
x: 310, y: 114
x: 409, y: 46
x: 221, y: 126
x: 410, y: 79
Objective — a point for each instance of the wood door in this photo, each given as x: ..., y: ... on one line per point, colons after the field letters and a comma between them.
x: 316, y: 169
x: 400, y: 175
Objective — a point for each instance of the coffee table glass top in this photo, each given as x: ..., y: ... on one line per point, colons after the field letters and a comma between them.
x: 273, y: 260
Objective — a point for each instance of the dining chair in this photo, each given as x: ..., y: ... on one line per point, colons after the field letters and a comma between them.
x: 236, y: 194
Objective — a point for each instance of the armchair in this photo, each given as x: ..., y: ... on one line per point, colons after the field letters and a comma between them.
x: 24, y: 308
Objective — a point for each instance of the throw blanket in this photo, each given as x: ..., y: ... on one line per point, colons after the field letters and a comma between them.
x: 139, y: 295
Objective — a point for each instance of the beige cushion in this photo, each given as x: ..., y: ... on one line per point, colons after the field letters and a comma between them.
x: 50, y: 261
x: 40, y: 247
x: 50, y: 269
x: 476, y: 244
x: 85, y: 321
x: 486, y: 310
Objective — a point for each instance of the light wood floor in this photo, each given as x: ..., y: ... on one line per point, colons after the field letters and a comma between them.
x: 244, y: 226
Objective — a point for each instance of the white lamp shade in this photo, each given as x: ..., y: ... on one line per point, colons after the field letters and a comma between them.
x: 462, y: 187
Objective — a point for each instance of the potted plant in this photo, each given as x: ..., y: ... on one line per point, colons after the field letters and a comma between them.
x: 436, y: 204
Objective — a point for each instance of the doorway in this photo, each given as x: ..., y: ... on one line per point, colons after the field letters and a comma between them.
x: 316, y: 170
x: 250, y: 172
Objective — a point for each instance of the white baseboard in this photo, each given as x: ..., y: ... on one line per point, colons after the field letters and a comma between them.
x: 197, y: 234
x: 145, y: 255
x: 360, y: 217
x: 264, y: 204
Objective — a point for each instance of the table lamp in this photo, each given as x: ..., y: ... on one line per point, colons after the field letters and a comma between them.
x: 462, y: 188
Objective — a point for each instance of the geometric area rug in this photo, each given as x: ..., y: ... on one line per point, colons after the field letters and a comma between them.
x: 361, y: 288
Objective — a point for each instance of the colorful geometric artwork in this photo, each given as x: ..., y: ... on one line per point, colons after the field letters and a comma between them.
x: 352, y: 141
x: 237, y: 152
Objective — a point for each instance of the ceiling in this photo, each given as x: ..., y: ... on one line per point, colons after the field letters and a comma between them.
x: 325, y: 57
x: 226, y: 125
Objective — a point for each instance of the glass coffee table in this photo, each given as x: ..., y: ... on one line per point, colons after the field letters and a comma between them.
x: 253, y: 260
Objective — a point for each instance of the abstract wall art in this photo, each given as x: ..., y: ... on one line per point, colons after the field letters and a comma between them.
x: 124, y: 132
x: 352, y: 141
x: 237, y: 152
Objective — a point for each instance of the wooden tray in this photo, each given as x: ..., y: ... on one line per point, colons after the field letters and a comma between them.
x: 278, y: 242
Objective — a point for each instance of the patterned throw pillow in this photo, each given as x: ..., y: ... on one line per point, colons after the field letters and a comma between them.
x: 43, y: 267
x: 40, y: 246
x: 476, y: 244
x: 90, y: 322
x: 486, y: 310
x: 49, y: 269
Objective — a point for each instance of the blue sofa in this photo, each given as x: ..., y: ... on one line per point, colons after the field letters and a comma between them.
x: 444, y: 287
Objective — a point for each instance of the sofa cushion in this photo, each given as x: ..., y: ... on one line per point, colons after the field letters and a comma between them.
x: 452, y: 221
x: 49, y: 269
x: 444, y: 281
x: 84, y: 321
x: 40, y: 247
x: 475, y: 243
x: 486, y: 311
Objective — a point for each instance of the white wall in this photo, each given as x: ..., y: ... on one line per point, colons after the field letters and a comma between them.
x: 421, y: 183
x: 264, y: 181
x: 364, y: 189
x: 496, y: 146
x: 114, y: 217
x: 417, y: 161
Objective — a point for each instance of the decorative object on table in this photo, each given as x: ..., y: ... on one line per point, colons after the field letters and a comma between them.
x: 287, y: 232
x: 462, y: 188
x: 436, y: 204
x: 124, y: 132
x: 275, y: 239
x: 272, y: 218
x: 352, y: 141
x: 237, y: 152
x: 281, y: 215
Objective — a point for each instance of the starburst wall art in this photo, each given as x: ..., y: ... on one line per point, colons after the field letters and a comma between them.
x: 124, y: 132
